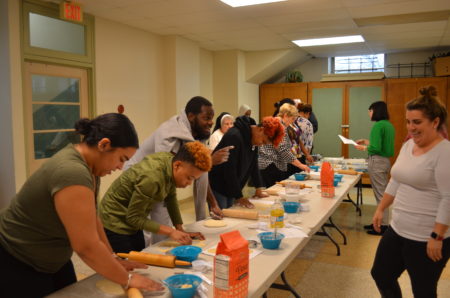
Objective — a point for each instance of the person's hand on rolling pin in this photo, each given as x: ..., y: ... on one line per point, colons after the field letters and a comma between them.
x: 260, y: 194
x: 221, y: 155
x: 217, y: 212
x: 131, y: 265
x: 309, y: 158
x: 143, y: 283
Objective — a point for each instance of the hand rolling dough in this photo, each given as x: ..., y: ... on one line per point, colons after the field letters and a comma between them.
x: 212, y: 223
x: 109, y: 287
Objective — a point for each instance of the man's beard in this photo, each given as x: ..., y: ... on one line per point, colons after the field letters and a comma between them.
x: 200, y: 134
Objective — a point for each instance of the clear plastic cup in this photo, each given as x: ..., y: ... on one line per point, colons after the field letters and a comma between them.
x: 292, y: 188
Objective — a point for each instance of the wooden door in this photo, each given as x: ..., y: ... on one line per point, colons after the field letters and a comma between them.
x: 55, y: 98
x: 401, y: 91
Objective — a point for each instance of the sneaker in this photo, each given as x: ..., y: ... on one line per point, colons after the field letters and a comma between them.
x: 368, y: 227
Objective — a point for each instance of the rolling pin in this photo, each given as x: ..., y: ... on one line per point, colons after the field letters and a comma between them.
x: 240, y: 213
x: 347, y: 172
x: 302, y: 185
x: 154, y: 259
x: 134, y: 293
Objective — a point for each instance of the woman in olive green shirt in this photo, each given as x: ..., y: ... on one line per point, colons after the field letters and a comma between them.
x: 130, y: 198
x: 380, y: 148
x: 54, y: 214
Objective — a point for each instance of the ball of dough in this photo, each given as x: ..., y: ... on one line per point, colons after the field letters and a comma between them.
x: 213, y: 223
x: 109, y: 287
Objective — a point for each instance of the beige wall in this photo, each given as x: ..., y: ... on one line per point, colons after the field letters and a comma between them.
x: 12, y: 152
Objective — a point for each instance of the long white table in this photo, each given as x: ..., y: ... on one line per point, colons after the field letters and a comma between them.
x: 264, y: 268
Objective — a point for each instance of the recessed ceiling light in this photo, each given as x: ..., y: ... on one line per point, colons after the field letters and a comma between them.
x: 237, y: 3
x: 328, y: 40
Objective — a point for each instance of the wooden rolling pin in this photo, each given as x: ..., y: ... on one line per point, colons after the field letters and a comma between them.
x: 240, y: 213
x: 347, y: 172
x: 154, y: 259
x: 134, y: 293
x: 302, y: 185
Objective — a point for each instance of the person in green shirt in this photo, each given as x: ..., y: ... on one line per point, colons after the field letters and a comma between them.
x: 380, y: 148
x: 130, y: 198
x: 54, y: 214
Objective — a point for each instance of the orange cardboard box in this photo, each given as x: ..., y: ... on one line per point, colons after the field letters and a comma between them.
x: 231, y: 266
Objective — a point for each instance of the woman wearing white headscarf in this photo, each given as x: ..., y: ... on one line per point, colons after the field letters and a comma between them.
x: 245, y: 110
x: 223, y: 123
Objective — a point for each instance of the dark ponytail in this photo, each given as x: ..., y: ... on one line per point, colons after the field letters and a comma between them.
x: 116, y: 127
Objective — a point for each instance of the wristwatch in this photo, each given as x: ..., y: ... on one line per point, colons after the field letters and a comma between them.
x: 436, y: 236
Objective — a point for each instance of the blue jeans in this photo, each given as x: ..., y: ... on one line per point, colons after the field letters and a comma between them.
x: 223, y: 201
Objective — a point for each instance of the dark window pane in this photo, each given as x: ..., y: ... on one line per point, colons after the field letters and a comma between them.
x: 47, y: 144
x: 54, y: 89
x: 47, y: 116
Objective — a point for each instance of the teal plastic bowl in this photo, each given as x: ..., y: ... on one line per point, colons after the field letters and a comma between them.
x: 291, y: 207
x: 336, y: 182
x: 314, y: 168
x: 300, y: 176
x: 338, y: 177
x: 176, y: 282
x: 187, y: 253
x: 269, y: 241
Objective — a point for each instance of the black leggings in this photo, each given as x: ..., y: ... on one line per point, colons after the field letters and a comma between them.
x: 272, y: 174
x: 19, y: 280
x: 396, y: 254
x: 126, y: 243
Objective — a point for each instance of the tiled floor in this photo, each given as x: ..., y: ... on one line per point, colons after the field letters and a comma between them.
x: 317, y: 272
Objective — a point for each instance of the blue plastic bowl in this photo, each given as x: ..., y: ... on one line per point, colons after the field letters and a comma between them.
x: 269, y: 241
x: 175, y: 283
x: 187, y: 253
x: 338, y: 177
x: 300, y: 176
x: 336, y: 182
x: 291, y: 207
x: 314, y: 168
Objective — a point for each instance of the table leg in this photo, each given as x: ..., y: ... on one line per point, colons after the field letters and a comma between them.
x: 325, y: 233
x: 286, y: 286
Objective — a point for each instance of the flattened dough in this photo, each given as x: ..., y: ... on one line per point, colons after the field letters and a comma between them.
x: 109, y: 287
x: 212, y: 223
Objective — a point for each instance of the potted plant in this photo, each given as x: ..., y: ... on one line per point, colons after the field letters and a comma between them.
x: 294, y: 76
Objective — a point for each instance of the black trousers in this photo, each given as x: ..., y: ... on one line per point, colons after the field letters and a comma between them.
x: 396, y: 254
x: 19, y: 280
x: 272, y: 174
x: 126, y: 243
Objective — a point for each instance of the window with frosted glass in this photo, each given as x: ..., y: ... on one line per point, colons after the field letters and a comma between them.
x: 58, y: 35
x: 56, y: 108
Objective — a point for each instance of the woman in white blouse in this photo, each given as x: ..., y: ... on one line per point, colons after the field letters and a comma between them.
x: 418, y: 239
x: 223, y: 123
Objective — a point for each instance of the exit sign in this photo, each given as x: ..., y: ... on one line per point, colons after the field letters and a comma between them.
x: 71, y: 11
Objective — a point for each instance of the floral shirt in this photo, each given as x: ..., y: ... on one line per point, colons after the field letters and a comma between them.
x: 307, y: 133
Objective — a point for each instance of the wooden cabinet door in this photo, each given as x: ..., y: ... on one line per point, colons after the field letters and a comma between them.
x: 268, y: 95
x: 401, y: 91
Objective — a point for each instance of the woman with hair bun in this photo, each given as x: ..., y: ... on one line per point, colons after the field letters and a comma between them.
x: 54, y: 214
x: 228, y: 179
x: 128, y: 201
x: 418, y: 238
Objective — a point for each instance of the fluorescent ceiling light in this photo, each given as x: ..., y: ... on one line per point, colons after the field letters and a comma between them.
x: 328, y: 40
x: 237, y: 3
